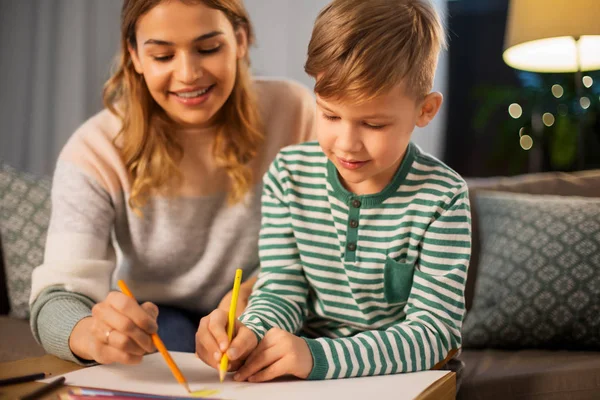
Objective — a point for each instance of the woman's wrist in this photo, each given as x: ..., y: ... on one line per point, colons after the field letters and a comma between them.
x: 80, y: 336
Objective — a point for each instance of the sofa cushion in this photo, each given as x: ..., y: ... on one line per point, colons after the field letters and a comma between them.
x: 24, y: 216
x: 530, y: 375
x: 4, y: 308
x: 581, y: 183
x: 539, y: 273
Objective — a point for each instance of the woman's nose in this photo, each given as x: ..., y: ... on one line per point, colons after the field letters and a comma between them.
x: 189, y: 69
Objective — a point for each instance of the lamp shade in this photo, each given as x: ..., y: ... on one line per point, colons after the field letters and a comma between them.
x: 553, y: 36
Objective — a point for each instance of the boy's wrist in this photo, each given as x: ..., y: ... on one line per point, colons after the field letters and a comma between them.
x: 320, y: 364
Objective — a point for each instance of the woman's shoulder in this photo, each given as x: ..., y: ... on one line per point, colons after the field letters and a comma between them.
x: 92, y: 151
x: 283, y: 95
x: 287, y: 109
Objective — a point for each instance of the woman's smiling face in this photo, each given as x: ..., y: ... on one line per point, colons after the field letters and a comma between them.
x: 188, y: 55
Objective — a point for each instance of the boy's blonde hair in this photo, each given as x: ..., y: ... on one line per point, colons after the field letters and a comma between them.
x: 360, y: 49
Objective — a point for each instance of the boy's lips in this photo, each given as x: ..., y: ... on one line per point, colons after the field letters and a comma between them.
x: 351, y: 164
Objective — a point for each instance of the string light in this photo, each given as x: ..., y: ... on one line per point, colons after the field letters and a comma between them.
x: 526, y: 142
x: 585, y: 103
x: 587, y: 81
x: 515, y: 110
x: 557, y: 91
x: 548, y: 119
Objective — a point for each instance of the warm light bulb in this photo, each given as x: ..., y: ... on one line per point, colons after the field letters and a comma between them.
x: 515, y: 110
x: 587, y: 81
x: 555, y: 54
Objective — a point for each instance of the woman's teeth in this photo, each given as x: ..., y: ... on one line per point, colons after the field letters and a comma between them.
x: 189, y: 95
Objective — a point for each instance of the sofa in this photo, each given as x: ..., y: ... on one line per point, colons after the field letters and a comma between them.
x: 489, y: 373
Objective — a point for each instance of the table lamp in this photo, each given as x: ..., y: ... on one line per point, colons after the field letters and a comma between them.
x: 554, y: 36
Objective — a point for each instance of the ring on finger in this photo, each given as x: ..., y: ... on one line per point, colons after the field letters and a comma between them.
x: 107, y: 335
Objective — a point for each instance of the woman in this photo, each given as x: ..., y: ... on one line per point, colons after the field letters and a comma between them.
x: 162, y: 189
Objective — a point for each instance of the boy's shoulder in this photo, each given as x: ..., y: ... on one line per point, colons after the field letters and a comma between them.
x: 301, y: 155
x: 430, y: 168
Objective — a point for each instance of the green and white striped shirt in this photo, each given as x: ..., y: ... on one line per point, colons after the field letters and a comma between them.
x: 377, y: 280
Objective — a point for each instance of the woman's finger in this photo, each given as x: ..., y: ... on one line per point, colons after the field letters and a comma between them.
x: 127, y: 306
x: 119, y: 322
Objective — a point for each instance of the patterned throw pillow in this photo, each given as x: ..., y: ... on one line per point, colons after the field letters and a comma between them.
x: 24, y: 217
x: 538, y: 282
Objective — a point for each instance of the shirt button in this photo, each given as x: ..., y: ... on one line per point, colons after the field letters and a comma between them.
x: 353, y: 223
x: 351, y: 246
x: 356, y: 203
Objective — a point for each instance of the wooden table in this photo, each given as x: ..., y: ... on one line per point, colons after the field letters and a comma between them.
x: 443, y: 389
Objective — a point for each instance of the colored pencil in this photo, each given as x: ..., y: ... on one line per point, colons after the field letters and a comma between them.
x: 103, y: 394
x: 44, y: 389
x: 160, y: 346
x: 231, y: 323
x: 24, y: 378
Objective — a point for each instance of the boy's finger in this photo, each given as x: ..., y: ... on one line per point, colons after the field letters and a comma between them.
x: 273, y: 371
x: 258, y: 361
x: 242, y: 344
x: 206, y: 344
x: 217, y: 324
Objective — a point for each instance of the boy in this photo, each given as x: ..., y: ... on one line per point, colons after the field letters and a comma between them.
x: 365, y: 240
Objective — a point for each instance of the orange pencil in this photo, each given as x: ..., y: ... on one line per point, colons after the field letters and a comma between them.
x: 160, y: 345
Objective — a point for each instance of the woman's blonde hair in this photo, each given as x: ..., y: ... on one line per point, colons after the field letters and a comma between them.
x: 150, y: 153
x: 361, y: 49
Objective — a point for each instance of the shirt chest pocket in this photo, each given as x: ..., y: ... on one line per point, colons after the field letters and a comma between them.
x: 397, y: 280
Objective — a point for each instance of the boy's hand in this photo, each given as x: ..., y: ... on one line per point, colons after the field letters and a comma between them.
x: 245, y: 292
x: 279, y: 353
x: 212, y: 341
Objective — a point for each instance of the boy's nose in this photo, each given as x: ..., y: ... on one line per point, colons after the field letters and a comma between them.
x: 349, y: 140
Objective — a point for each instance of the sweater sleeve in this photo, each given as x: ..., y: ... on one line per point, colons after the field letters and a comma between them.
x: 78, y: 262
x: 279, y: 295
x: 434, y: 311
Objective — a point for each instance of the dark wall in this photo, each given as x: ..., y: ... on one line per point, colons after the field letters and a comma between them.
x: 476, y: 31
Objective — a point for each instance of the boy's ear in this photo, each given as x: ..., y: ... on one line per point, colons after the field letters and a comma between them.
x: 135, y: 60
x: 430, y: 106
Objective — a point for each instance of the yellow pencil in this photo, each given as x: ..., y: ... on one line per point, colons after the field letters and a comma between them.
x: 160, y: 345
x: 231, y: 323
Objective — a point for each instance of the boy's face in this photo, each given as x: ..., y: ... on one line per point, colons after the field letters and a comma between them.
x: 367, y: 141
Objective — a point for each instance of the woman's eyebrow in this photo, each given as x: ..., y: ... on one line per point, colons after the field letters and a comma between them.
x: 198, y: 39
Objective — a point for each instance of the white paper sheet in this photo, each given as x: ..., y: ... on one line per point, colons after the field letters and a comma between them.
x: 154, y: 377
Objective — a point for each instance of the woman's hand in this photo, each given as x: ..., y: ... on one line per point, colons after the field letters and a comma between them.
x: 212, y: 341
x: 118, y: 331
x: 245, y: 292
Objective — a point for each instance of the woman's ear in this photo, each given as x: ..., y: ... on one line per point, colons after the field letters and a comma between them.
x: 241, y: 37
x: 430, y: 106
x: 135, y: 60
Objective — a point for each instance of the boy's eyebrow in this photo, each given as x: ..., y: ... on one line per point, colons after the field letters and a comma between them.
x: 373, y: 116
x: 198, y: 39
